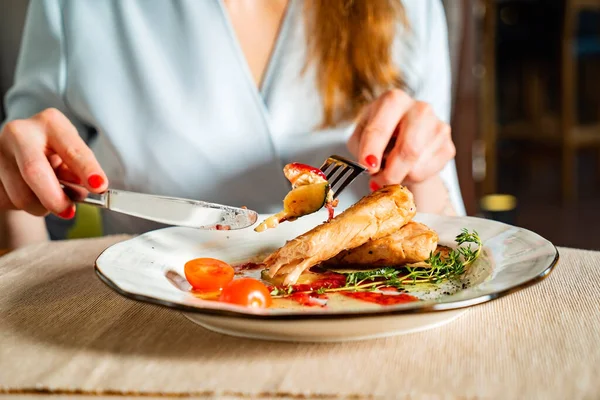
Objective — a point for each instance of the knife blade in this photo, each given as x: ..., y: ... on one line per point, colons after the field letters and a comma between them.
x: 165, y: 210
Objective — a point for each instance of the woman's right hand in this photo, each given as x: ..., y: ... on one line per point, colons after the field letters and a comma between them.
x: 34, y: 154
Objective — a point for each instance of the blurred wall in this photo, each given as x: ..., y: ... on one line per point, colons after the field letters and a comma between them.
x: 12, y: 15
x: 454, y: 16
x: 462, y: 38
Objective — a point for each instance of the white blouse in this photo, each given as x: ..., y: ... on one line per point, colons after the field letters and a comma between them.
x: 162, y: 93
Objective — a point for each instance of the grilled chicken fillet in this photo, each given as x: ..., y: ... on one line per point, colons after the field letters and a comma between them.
x: 373, y: 217
x: 413, y: 243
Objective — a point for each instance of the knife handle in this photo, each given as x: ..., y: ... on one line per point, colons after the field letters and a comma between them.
x: 80, y: 194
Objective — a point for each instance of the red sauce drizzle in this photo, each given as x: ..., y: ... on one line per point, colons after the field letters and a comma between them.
x: 220, y: 227
x: 330, y: 280
x: 380, y: 298
x: 329, y: 207
x: 309, y: 299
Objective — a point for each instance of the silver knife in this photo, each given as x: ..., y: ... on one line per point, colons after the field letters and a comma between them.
x: 165, y: 210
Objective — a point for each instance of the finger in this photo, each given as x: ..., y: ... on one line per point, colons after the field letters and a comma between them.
x: 382, y: 122
x: 74, y: 192
x: 36, y: 171
x: 55, y: 160
x: 9, y: 173
x: 432, y: 164
x: 64, y: 173
x: 62, y: 170
x: 64, y: 139
x: 417, y: 132
x: 5, y: 203
x: 428, y: 155
x: 354, y: 141
x: 19, y: 193
x: 389, y: 148
x: 41, y: 179
x: 427, y: 170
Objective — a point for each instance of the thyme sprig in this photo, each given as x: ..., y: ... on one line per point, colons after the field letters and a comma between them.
x: 451, y: 266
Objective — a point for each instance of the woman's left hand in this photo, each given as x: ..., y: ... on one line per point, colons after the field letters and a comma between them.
x: 401, y: 141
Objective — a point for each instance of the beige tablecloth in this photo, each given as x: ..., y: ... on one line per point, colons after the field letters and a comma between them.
x: 63, y: 331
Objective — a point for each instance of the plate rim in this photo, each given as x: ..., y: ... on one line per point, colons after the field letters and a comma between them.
x: 429, y: 308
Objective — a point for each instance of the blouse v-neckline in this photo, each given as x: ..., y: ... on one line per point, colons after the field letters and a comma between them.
x: 260, y: 91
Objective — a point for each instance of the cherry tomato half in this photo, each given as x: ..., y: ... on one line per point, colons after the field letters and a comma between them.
x: 246, y: 292
x: 208, y: 274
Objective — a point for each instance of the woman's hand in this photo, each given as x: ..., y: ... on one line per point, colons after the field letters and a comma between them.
x: 34, y: 154
x: 402, y: 141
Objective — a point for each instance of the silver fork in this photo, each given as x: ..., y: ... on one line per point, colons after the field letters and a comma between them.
x: 340, y: 172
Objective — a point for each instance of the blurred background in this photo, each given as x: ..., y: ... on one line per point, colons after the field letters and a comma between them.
x: 526, y: 117
x: 538, y: 133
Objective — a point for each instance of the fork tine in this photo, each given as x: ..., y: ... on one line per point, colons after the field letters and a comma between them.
x: 353, y: 164
x: 334, y: 181
x: 334, y: 172
x: 337, y: 191
x: 326, y: 166
x: 340, y: 172
x: 348, y: 180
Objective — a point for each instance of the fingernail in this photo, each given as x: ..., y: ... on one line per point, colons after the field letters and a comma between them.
x: 69, y: 213
x: 95, y: 181
x: 371, y: 161
x: 374, y: 186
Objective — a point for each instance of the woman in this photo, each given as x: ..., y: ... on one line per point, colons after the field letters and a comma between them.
x: 209, y: 99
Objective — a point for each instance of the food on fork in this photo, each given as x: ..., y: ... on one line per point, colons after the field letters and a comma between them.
x: 310, y: 192
x: 375, y: 216
x: 412, y: 243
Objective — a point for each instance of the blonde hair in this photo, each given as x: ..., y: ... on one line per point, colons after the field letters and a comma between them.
x: 350, y: 44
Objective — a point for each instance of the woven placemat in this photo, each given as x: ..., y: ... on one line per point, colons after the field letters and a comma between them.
x: 63, y: 331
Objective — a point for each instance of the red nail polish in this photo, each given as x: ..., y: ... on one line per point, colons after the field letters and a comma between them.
x: 95, y: 181
x: 374, y: 186
x: 371, y: 161
x: 69, y: 213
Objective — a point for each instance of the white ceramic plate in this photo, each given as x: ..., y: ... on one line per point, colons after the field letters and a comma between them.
x: 149, y: 268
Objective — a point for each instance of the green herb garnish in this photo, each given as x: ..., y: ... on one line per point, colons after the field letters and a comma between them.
x: 451, y: 266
